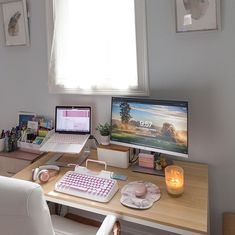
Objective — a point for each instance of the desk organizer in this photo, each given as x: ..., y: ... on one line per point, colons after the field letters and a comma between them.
x: 114, y: 155
x: 33, y: 148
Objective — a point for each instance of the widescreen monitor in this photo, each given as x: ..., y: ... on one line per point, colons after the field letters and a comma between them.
x: 152, y: 125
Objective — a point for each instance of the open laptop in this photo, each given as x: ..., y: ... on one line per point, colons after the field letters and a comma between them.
x: 72, y: 130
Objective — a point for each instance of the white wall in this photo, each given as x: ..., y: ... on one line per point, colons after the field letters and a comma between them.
x: 198, y: 67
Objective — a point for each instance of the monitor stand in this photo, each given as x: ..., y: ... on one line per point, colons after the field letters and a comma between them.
x: 55, y: 160
x: 136, y: 168
x: 145, y: 170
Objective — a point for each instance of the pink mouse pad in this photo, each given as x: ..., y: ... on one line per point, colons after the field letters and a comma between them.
x: 140, y: 194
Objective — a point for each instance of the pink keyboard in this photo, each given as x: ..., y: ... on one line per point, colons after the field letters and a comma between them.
x: 88, y: 186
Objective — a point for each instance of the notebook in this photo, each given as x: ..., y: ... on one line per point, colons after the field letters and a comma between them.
x: 72, y: 130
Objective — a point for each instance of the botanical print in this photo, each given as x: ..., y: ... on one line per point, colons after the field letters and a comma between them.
x: 197, y: 8
x: 15, y: 23
x: 13, y: 26
x: 194, y: 15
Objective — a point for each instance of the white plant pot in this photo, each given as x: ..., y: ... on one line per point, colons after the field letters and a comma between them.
x: 104, y: 140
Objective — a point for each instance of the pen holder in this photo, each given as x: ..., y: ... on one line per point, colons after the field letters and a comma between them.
x: 2, y: 144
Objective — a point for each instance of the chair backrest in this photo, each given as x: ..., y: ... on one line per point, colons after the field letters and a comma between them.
x: 23, y: 209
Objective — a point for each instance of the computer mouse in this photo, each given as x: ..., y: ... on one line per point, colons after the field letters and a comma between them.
x: 140, y: 190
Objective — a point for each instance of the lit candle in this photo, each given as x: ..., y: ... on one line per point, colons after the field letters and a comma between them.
x: 174, y: 177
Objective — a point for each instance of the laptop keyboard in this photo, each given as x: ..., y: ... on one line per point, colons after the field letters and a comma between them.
x: 67, y: 139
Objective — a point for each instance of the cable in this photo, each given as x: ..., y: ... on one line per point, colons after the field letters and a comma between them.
x: 135, y: 156
x: 132, y: 161
x: 92, y: 137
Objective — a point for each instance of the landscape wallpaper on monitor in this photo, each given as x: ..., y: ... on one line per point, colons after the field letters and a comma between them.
x: 151, y: 125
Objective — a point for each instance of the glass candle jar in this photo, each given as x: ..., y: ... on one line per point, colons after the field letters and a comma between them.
x: 174, y: 177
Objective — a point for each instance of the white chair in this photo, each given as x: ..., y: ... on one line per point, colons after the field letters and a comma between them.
x: 24, y: 211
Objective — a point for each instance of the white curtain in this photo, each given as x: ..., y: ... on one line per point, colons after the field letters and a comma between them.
x: 94, y: 45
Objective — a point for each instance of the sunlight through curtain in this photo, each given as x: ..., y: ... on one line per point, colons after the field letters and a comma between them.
x: 94, y: 45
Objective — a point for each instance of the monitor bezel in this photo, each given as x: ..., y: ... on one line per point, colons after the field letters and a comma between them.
x: 73, y: 107
x: 141, y: 147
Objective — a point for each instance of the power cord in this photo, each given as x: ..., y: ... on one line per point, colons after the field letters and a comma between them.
x: 135, y: 156
x: 92, y: 137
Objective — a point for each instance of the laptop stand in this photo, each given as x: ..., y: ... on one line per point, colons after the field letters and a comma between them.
x: 55, y: 160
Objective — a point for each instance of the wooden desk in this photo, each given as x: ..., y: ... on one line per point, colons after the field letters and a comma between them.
x: 187, y: 214
x: 13, y: 162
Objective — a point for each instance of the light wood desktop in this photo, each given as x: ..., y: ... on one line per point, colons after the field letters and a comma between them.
x: 187, y: 214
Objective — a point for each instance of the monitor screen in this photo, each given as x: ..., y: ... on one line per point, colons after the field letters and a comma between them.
x: 73, y: 119
x: 153, y: 125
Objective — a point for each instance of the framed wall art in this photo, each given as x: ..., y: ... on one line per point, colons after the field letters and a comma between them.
x: 196, y: 15
x: 15, y: 22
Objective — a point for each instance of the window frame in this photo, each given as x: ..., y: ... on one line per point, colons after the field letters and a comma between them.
x: 142, y: 57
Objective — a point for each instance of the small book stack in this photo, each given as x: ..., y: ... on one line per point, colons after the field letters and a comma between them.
x: 146, y: 160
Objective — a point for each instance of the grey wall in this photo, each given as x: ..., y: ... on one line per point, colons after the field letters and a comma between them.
x: 198, y: 67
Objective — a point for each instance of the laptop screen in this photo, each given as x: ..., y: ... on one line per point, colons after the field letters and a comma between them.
x: 73, y: 119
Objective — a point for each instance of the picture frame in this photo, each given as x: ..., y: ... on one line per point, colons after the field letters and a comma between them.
x: 15, y: 23
x: 197, y: 15
x: 24, y: 117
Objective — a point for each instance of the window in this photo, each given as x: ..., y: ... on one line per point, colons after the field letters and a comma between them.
x: 97, y: 47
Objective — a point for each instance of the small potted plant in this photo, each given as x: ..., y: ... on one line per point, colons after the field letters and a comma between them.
x: 158, y: 165
x: 104, y: 131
